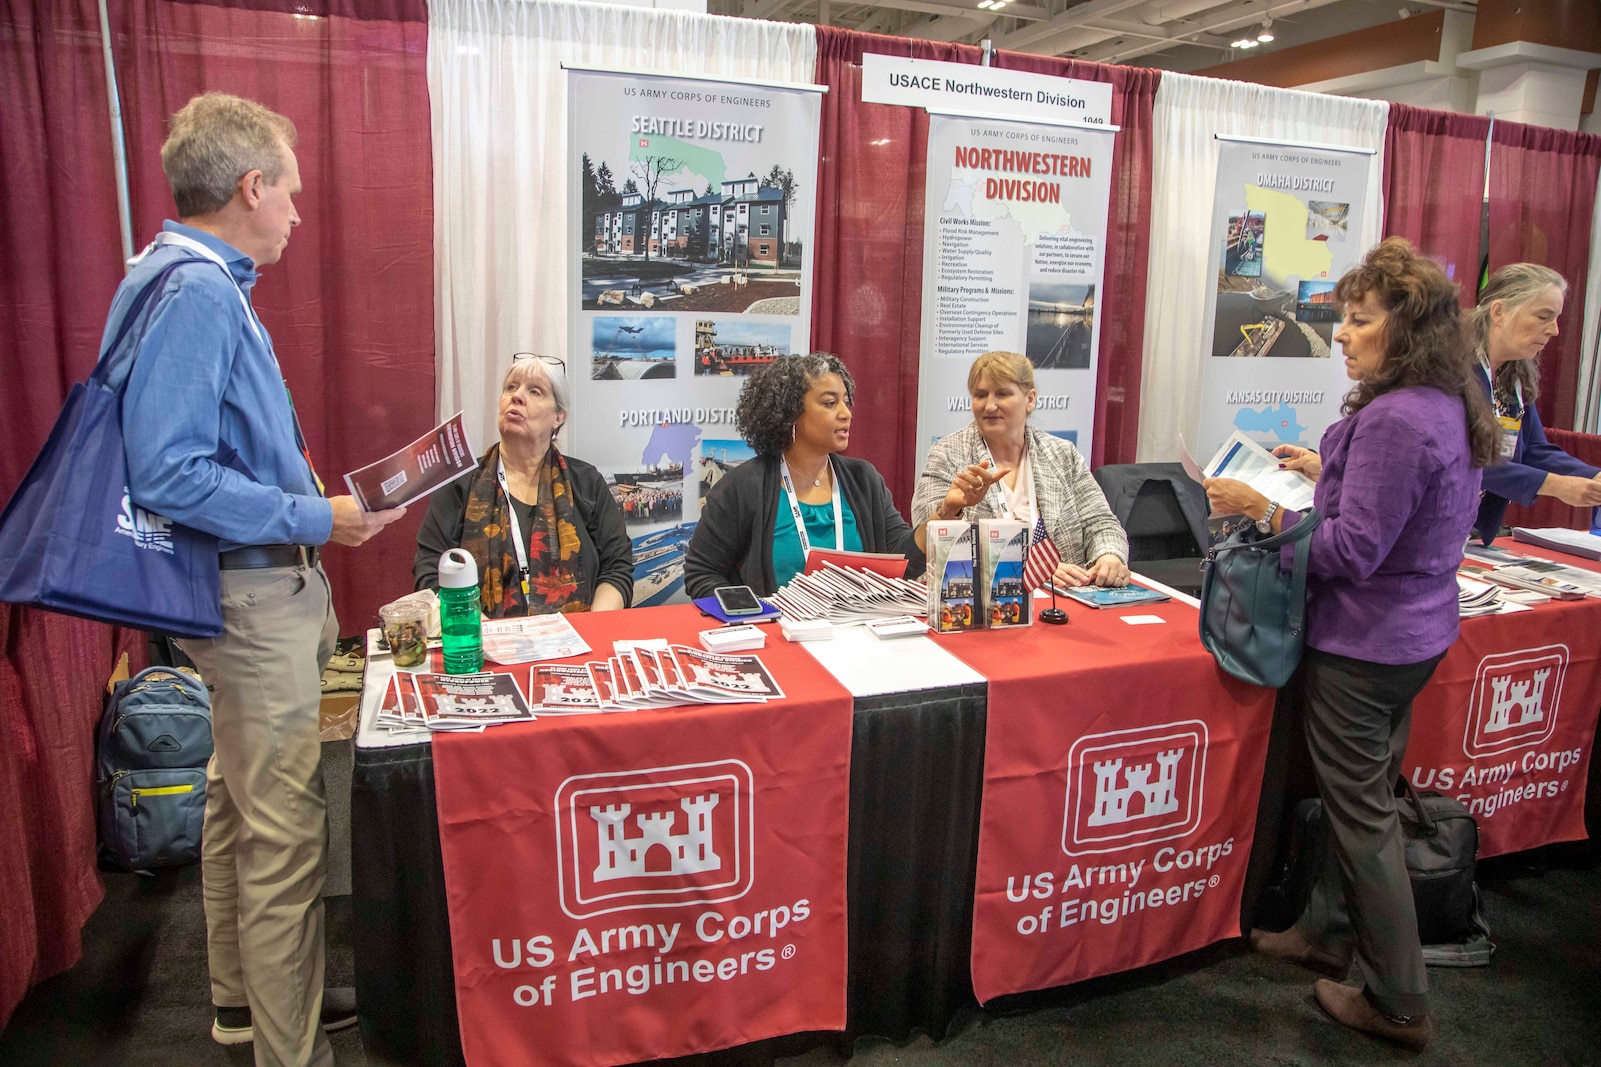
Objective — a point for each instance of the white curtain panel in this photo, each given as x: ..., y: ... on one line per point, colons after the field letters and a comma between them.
x: 1189, y: 112
x: 501, y: 172
x: 1587, y: 417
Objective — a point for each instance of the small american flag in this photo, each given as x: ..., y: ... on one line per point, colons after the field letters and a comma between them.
x: 1042, y: 557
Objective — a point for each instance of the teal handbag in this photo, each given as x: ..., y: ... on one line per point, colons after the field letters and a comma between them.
x: 1253, y: 614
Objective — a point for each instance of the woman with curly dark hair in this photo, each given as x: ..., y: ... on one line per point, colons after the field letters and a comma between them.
x: 760, y: 520
x: 1398, y: 489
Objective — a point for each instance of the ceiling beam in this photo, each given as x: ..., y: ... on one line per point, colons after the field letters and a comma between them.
x: 947, y: 27
x: 1222, y: 21
x: 964, y: 10
x: 1073, y: 18
x: 763, y: 9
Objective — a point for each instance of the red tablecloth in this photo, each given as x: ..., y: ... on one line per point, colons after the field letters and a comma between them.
x: 1508, y: 721
x: 1121, y: 769
x: 731, y: 926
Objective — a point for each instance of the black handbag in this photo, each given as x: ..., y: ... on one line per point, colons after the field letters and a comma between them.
x: 1441, y: 843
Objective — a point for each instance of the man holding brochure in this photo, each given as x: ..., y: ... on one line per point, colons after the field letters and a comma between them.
x: 205, y: 382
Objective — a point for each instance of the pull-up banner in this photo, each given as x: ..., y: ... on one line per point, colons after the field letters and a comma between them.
x: 1286, y: 224
x: 657, y: 884
x: 1116, y: 822
x: 1013, y: 252
x: 691, y: 219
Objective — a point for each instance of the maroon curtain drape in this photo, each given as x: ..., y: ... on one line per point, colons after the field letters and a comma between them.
x: 60, y: 261
x: 867, y: 300
x: 1542, y: 200
x: 350, y: 307
x: 1434, y: 187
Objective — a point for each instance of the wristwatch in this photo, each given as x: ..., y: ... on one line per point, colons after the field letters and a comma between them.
x: 1265, y: 523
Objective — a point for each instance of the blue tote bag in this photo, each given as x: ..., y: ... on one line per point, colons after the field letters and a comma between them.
x: 72, y: 541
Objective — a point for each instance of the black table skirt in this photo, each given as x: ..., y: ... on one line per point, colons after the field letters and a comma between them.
x: 917, y: 768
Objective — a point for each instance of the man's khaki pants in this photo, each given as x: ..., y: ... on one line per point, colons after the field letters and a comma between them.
x: 265, y: 846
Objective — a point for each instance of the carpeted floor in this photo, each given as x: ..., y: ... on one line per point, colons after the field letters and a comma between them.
x: 139, y: 998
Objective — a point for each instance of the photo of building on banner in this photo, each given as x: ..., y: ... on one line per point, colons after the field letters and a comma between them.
x: 1286, y: 224
x: 691, y: 223
x: 1015, y: 238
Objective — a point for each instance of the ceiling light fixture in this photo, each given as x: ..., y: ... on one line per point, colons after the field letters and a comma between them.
x: 985, y: 4
x: 997, y: 5
x: 1267, y: 31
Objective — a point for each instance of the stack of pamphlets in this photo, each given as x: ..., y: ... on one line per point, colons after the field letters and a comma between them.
x: 651, y: 674
x: 452, y: 702
x: 1476, y: 597
x: 536, y: 637
x: 642, y: 674
x: 1525, y: 574
x: 848, y: 594
x: 1558, y: 539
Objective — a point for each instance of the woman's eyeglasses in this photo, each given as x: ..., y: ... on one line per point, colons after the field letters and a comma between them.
x: 553, y: 361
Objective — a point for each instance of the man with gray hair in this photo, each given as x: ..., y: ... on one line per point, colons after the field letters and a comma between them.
x: 213, y: 443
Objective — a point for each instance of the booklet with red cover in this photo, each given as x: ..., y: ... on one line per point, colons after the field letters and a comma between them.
x: 431, y: 462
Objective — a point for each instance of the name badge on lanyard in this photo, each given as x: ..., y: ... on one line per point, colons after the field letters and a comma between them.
x: 1002, y: 508
x: 795, y: 510
x: 1510, y: 429
x: 1511, y: 424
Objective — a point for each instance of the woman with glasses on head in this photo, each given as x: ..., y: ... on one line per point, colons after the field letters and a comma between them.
x: 798, y: 492
x: 543, y: 527
x: 1516, y: 317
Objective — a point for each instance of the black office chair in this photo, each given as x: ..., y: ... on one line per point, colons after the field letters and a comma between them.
x: 1164, y: 514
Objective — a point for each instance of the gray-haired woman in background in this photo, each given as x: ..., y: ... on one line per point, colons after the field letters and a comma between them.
x: 1516, y: 317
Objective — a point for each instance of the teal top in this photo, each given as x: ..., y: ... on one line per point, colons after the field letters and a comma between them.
x: 788, y: 559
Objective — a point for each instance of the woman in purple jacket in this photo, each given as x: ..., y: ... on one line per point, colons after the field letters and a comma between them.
x: 1398, y: 486
x: 1516, y: 316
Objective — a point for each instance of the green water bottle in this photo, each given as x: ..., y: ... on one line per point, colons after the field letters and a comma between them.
x: 460, y: 622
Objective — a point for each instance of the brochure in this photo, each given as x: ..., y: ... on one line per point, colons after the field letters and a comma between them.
x: 562, y: 689
x: 535, y: 637
x: 1104, y: 597
x: 1243, y: 459
x: 453, y: 701
x: 431, y: 462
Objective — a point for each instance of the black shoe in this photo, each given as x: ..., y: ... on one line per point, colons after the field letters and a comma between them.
x: 232, y: 1026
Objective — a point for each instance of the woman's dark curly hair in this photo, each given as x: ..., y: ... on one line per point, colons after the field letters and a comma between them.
x: 774, y: 397
x: 1425, y: 341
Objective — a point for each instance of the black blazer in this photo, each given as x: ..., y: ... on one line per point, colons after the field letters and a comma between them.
x: 733, y: 542
x: 605, y: 554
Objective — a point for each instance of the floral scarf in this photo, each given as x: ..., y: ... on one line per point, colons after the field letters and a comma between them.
x: 553, y: 542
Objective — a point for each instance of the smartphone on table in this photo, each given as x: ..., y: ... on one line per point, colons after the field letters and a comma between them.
x: 737, y: 600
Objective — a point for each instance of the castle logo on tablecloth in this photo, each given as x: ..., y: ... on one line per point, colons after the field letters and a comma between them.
x: 1134, y: 787
x: 689, y: 852
x: 1515, y: 700
x: 655, y: 837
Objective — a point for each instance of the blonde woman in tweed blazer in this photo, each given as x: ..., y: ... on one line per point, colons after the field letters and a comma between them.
x: 959, y: 479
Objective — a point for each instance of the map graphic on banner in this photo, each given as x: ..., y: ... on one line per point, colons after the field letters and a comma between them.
x: 1286, y: 224
x: 691, y: 266
x: 1015, y: 238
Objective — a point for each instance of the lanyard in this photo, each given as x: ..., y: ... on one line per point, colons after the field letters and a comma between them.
x: 169, y: 238
x: 516, y: 531
x: 1001, y: 507
x: 794, y: 508
x: 1495, y: 401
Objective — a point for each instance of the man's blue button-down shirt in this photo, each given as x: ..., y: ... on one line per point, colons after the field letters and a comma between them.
x: 202, y: 374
